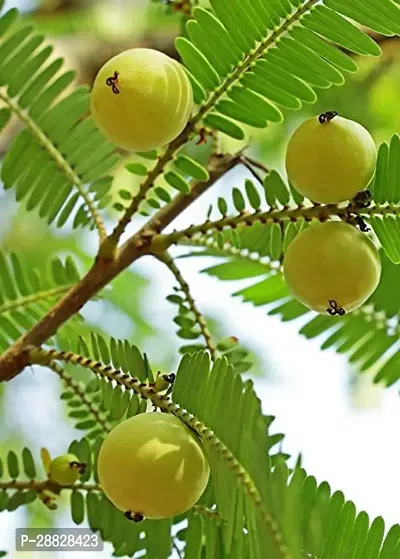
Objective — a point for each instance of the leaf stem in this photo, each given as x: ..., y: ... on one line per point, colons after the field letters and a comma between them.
x: 60, y: 161
x: 204, y: 109
x: 39, y: 355
x: 81, y: 394
x: 166, y: 259
x: 229, y: 250
x: 273, y: 215
x: 104, y: 270
x: 40, y: 296
x: 48, y: 484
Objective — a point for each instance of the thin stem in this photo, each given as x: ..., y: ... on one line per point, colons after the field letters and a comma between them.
x: 252, y: 170
x: 229, y: 250
x: 60, y: 161
x: 39, y: 355
x: 149, y: 183
x: 79, y: 391
x: 109, y: 263
x: 40, y: 296
x: 204, y: 109
x: 315, y: 212
x: 106, y: 269
x: 206, y: 512
x: 166, y: 259
x: 257, y: 164
x: 40, y: 486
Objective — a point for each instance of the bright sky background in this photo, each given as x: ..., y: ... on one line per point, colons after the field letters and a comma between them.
x: 355, y: 450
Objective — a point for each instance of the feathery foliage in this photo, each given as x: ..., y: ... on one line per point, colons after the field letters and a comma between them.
x: 26, y: 294
x: 58, y: 163
x: 311, y: 519
x: 248, y: 59
x: 370, y: 335
x: 386, y: 190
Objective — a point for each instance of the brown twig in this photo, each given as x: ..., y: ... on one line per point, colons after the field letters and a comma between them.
x: 104, y: 271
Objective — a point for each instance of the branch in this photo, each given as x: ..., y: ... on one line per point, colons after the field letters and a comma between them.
x: 315, y: 212
x: 204, y: 109
x: 148, y: 183
x: 166, y: 259
x: 60, y: 161
x: 42, y: 356
x: 79, y: 391
x: 104, y: 270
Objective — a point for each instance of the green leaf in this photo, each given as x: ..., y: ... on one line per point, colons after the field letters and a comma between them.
x: 197, y: 64
x: 16, y: 501
x: 236, y: 269
x: 28, y: 463
x: 177, y: 182
x: 86, y: 425
x: 5, y: 116
x: 194, y: 536
x: 3, y: 500
x: 192, y: 168
x: 254, y: 102
x: 7, y: 20
x: 253, y: 195
x: 240, y: 113
x: 387, y: 229
x: 222, y: 206
x: 12, y: 464
x: 275, y: 189
x: 136, y: 363
x: 152, y: 154
x: 137, y: 169
x: 238, y: 200
x: 334, y: 27
x: 225, y: 125
x: 77, y: 507
x: 116, y: 407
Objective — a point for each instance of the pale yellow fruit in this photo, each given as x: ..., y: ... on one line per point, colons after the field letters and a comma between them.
x: 65, y: 469
x: 330, y: 162
x: 152, y: 465
x: 141, y: 99
x: 332, y: 262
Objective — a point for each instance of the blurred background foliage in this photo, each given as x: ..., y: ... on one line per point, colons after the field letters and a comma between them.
x: 87, y: 33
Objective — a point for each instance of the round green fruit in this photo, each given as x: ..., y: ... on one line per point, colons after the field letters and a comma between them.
x: 332, y: 267
x: 152, y: 466
x: 330, y: 159
x: 141, y: 99
x: 65, y: 469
